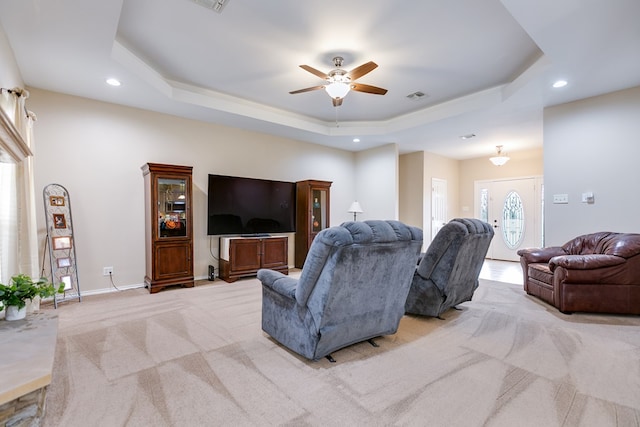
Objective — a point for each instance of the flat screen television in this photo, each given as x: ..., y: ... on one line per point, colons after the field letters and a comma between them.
x: 248, y: 206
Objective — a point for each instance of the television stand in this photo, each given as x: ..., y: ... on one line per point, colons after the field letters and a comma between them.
x: 244, y: 256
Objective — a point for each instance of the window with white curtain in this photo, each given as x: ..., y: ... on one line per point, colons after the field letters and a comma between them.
x: 8, y: 221
x: 18, y: 228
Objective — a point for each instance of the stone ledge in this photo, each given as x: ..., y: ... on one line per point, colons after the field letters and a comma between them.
x: 26, y: 411
x: 28, y: 350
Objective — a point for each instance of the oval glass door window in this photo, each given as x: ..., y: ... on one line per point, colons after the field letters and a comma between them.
x: 512, y: 220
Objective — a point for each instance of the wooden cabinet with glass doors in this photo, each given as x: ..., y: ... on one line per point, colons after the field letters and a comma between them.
x: 168, y: 226
x: 312, y: 215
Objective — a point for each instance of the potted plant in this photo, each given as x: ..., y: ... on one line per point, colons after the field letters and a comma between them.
x: 13, y: 297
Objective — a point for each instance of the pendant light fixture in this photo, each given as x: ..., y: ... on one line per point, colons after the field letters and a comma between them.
x: 501, y: 158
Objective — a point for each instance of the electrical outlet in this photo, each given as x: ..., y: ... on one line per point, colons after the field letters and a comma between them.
x: 107, y: 271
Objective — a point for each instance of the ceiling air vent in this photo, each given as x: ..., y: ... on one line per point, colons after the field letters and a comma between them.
x: 216, y: 5
x: 416, y: 96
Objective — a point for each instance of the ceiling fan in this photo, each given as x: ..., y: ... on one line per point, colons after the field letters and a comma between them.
x: 341, y: 81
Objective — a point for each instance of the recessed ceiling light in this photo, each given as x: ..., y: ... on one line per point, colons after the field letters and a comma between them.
x: 113, y: 82
x: 560, y: 83
x: 468, y: 136
x: 356, y: 139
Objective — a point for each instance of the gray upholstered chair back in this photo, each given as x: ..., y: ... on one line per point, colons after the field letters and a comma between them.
x: 352, y: 287
x: 448, y: 272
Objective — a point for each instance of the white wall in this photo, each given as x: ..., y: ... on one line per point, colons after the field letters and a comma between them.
x: 9, y: 73
x: 96, y: 149
x: 592, y: 145
x: 376, y: 183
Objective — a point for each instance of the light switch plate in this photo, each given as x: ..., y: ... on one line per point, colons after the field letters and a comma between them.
x: 561, y: 198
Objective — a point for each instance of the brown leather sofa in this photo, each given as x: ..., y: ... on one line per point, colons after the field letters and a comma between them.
x: 595, y: 273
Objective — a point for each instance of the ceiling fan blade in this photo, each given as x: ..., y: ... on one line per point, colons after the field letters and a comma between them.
x: 359, y: 87
x: 360, y: 71
x: 315, y: 72
x: 307, y: 89
x: 337, y: 102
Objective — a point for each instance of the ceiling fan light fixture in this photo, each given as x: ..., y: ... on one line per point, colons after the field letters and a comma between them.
x: 500, y: 159
x: 337, y: 89
x: 339, y: 82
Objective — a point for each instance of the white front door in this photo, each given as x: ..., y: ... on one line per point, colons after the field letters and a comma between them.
x: 438, y: 205
x: 514, y: 209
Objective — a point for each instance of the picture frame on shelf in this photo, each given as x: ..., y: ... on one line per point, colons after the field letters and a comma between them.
x: 64, y: 262
x: 61, y: 242
x: 59, y: 221
x: 56, y: 200
x: 67, y: 282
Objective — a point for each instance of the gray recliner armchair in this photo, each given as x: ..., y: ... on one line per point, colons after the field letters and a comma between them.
x: 352, y: 288
x: 447, y: 273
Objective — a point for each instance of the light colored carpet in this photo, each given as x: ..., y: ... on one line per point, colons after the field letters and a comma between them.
x: 198, y: 357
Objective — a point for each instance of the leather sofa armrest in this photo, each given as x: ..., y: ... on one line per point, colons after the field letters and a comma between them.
x: 535, y: 255
x: 278, y: 282
x: 585, y: 262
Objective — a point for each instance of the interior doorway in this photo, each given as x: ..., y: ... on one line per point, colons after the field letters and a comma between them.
x: 438, y: 205
x: 513, y: 207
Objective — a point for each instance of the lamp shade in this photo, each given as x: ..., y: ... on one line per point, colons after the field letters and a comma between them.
x: 355, y: 208
x: 337, y: 89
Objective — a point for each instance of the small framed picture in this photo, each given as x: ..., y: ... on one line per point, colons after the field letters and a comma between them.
x: 64, y: 262
x: 59, y: 221
x: 56, y: 200
x: 67, y: 282
x: 61, y: 242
